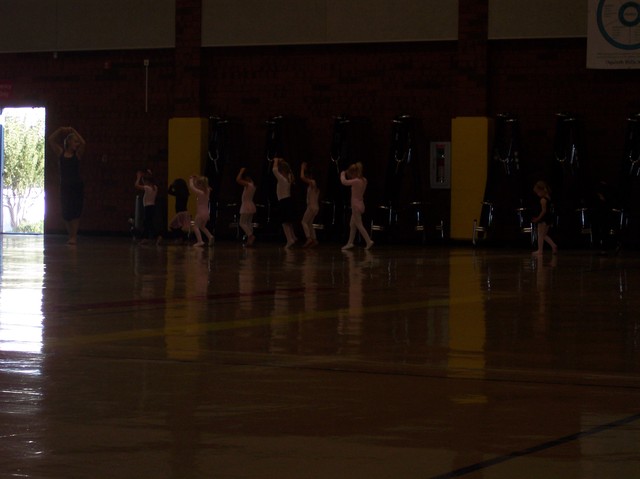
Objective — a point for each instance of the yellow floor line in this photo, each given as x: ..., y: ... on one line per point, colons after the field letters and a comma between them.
x: 199, y: 328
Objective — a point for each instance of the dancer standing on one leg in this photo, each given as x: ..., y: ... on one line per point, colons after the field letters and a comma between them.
x: 199, y: 185
x: 284, y: 176
x: 69, y: 146
x: 353, y: 177
x: 544, y: 220
x: 313, y: 193
x: 247, y: 206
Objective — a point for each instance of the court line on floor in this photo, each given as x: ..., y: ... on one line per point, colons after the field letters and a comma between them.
x: 463, y: 471
x: 164, y: 301
x: 212, y: 326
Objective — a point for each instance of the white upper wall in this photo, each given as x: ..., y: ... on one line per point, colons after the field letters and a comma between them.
x: 519, y: 19
x: 278, y: 22
x: 67, y: 25
x: 64, y: 25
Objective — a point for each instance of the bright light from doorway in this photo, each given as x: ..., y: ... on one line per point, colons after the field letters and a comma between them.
x: 22, y: 209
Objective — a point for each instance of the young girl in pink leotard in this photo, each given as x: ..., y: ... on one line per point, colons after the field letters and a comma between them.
x: 199, y: 186
x: 247, y: 206
x: 353, y: 177
x: 313, y: 193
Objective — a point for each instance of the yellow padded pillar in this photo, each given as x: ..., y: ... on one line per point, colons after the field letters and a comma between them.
x: 188, y: 139
x: 469, y: 160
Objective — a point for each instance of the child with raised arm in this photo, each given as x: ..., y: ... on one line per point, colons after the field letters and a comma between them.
x: 144, y: 182
x: 353, y: 177
x: 199, y: 186
x: 544, y: 219
x: 284, y: 177
x: 313, y: 193
x: 247, y: 206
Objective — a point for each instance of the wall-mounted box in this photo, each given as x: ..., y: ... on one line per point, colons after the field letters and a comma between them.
x: 440, y: 164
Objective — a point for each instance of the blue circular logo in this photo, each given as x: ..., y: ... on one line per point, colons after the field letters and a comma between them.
x: 618, y: 22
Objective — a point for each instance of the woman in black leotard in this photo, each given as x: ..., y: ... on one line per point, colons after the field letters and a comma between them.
x: 69, y: 147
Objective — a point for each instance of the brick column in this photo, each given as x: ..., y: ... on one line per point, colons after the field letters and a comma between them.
x: 473, y: 30
x: 188, y: 81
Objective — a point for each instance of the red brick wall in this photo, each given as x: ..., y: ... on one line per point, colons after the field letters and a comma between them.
x: 102, y: 94
x: 318, y: 83
x: 537, y: 79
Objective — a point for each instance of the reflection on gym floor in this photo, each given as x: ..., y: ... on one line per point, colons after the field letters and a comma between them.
x: 121, y: 361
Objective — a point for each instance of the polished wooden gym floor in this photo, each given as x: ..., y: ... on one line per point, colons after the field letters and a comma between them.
x: 127, y: 361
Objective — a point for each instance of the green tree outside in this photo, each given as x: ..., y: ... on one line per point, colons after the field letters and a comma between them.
x: 23, y: 169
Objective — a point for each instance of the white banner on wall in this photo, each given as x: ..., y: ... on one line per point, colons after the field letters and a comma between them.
x: 613, y: 35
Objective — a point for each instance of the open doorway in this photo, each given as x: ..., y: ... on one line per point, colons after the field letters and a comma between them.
x: 22, y: 148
